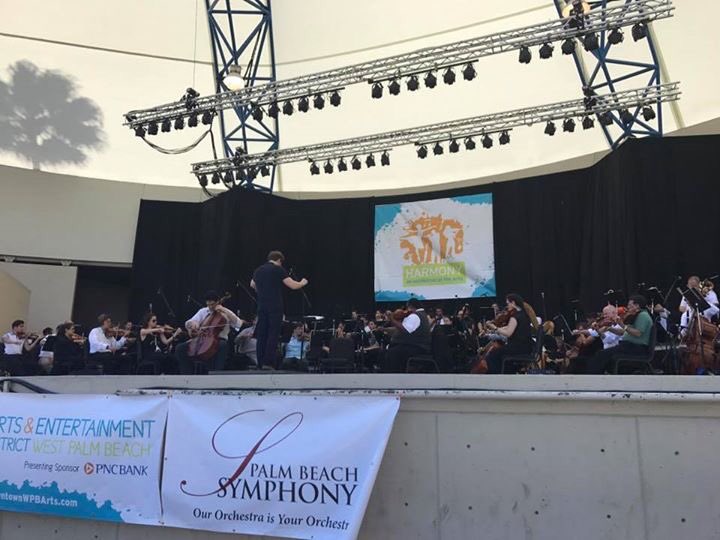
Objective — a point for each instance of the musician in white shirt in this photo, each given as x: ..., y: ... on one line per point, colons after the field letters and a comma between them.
x: 17, y: 342
x: 687, y: 310
x: 104, y: 343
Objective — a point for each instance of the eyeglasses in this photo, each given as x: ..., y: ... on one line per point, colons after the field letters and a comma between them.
x: 153, y: 320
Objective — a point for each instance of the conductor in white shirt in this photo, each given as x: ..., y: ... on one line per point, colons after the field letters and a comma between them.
x: 104, y: 344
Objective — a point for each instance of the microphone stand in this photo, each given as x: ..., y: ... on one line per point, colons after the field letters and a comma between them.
x: 242, y: 286
x: 168, y: 307
x: 191, y: 300
x: 302, y: 313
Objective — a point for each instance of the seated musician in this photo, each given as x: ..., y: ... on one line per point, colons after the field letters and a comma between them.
x: 104, y: 343
x: 518, y: 332
x: 18, y: 345
x: 411, y: 338
x: 296, y: 350
x: 704, y: 289
x: 246, y: 344
x: 195, y: 325
x: 635, y: 332
x: 440, y: 319
x: 370, y: 346
x: 155, y: 344
x: 67, y: 350
x: 607, y: 327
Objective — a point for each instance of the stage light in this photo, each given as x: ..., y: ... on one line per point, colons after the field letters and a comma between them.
x: 438, y: 150
x: 413, y: 83
x: 328, y: 167
x: 377, y: 90
x: 591, y: 42
x: 257, y: 113
x: 504, y: 138
x: 273, y: 110
x: 430, y: 80
x: 202, y: 179
x: 303, y: 104
x: 648, y: 113
x: 469, y: 72
x: 319, y: 101
x: 152, y: 128
x: 139, y: 131
x: 546, y: 51
x: 193, y: 120
x: 394, y: 87
x: 342, y: 166
x: 568, y: 46
x: 525, y: 55
x: 454, y: 147
x: 252, y: 173
x: 487, y: 141
x: 335, y: 99
x: 370, y: 161
x: 229, y: 177
x: 314, y: 169
x: 422, y: 152
x: 385, y: 159
x: 179, y: 123
x: 588, y: 123
x: 550, y: 129
x: 449, y: 76
x: 207, y: 118
x: 215, y: 178
x: 234, y: 80
x: 616, y: 36
x: 356, y: 163
x: 626, y: 117
x: 639, y: 31
x: 165, y: 128
x: 568, y: 125
x: 287, y: 108
x: 265, y: 170
x: 469, y: 144
x: 606, y: 119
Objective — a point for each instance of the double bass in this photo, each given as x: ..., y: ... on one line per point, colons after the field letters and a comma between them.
x: 206, y: 343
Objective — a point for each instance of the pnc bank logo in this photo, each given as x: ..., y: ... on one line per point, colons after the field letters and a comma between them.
x: 115, y: 469
x: 89, y: 468
x: 432, y: 239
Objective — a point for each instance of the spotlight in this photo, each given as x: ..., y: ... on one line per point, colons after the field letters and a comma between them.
x: 356, y: 163
x: 568, y: 125
x: 422, y: 152
x: 525, y: 55
x: 251, y: 174
x: 335, y: 99
x: 469, y: 72
x: 606, y: 119
x: 430, y: 80
x: 193, y: 120
x: 385, y: 159
x: 265, y: 170
x: 454, y: 147
x: 568, y: 46
x: 314, y: 169
x: 413, y: 83
x: 469, y: 144
x: 377, y: 90
x: 342, y: 166
x: 303, y: 104
x: 626, y: 117
x: 504, y: 138
x: 152, y: 128
x: 179, y: 122
x: 394, y: 87
x: 202, y: 179
x: 616, y: 36
x: 165, y: 128
x: 449, y: 76
x: 648, y: 113
x: 257, y: 113
x: 487, y: 141
x: 215, y: 178
x: 588, y: 123
x: 639, y: 31
x: 591, y: 42
x: 328, y: 167
x: 287, y: 108
x: 207, y: 118
x: 273, y: 110
x: 370, y: 161
x: 438, y: 150
x: 319, y: 101
x: 546, y: 51
x: 229, y: 178
x: 234, y: 79
x: 139, y: 131
x: 550, y: 129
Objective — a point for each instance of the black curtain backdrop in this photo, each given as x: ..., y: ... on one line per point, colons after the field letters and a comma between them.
x: 645, y: 213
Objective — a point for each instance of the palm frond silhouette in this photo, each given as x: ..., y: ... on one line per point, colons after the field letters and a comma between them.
x: 43, y: 120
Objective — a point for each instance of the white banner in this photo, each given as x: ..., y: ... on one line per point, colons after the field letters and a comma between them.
x: 94, y: 457
x: 441, y: 248
x: 290, y: 466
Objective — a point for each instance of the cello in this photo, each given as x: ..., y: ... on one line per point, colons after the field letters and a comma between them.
x: 206, y: 343
x: 480, y: 366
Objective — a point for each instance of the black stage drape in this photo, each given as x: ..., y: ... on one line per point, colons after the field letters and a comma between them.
x: 645, y: 213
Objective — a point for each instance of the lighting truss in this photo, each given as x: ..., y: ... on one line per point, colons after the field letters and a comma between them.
x: 424, y: 60
x: 597, y: 105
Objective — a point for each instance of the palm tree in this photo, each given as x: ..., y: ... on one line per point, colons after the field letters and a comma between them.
x: 43, y: 121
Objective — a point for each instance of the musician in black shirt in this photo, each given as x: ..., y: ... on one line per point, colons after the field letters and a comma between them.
x: 268, y: 281
x: 518, y: 333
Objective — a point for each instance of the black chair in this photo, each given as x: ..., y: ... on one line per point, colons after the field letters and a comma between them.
x: 525, y: 360
x: 441, y: 355
x: 644, y: 361
x: 341, y: 358
x: 144, y: 366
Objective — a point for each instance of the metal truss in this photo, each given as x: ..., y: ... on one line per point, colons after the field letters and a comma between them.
x: 425, y: 60
x: 243, y: 168
x: 611, y: 72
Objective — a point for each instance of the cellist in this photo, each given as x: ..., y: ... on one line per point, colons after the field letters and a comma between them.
x: 195, y: 324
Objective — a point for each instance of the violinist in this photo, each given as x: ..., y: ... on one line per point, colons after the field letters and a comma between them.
x: 194, y: 325
x: 104, y: 342
x: 517, y: 331
x: 67, y: 350
x: 18, y: 344
x: 155, y: 344
x: 412, y: 337
x: 635, y: 329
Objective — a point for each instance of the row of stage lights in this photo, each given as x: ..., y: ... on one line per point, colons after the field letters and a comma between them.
x: 179, y: 123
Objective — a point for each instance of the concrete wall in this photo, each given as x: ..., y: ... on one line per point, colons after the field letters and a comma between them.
x: 15, y: 301
x: 504, y: 457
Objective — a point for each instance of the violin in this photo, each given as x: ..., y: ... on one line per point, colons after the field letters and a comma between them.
x: 400, y: 314
x: 116, y: 332
x: 630, y: 316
